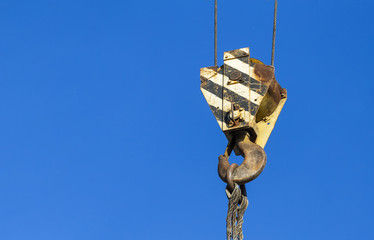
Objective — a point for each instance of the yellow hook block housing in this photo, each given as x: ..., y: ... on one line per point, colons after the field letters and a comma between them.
x: 243, y: 94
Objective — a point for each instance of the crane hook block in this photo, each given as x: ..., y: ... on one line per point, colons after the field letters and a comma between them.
x: 243, y: 94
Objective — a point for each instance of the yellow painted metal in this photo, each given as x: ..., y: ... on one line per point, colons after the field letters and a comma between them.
x: 266, y: 125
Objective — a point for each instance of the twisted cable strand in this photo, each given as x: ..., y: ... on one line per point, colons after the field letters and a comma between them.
x: 241, y: 210
x: 234, y: 198
x: 235, y: 213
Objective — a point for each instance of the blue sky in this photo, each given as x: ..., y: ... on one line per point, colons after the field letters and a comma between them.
x: 105, y: 134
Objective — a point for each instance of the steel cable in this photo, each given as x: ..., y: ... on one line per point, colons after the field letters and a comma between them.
x: 234, y: 221
x: 241, y: 210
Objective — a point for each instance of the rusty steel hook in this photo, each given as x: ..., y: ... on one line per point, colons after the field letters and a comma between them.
x: 230, y: 182
x: 253, y: 164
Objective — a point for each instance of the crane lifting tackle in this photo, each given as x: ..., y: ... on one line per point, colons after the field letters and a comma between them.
x: 246, y: 101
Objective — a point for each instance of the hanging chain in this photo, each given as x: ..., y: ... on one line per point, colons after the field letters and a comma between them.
x: 238, y: 203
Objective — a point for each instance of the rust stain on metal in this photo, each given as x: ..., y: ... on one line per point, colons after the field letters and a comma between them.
x: 235, y: 75
x: 253, y: 164
x: 264, y: 73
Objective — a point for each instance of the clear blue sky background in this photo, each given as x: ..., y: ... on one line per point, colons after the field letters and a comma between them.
x: 105, y: 134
